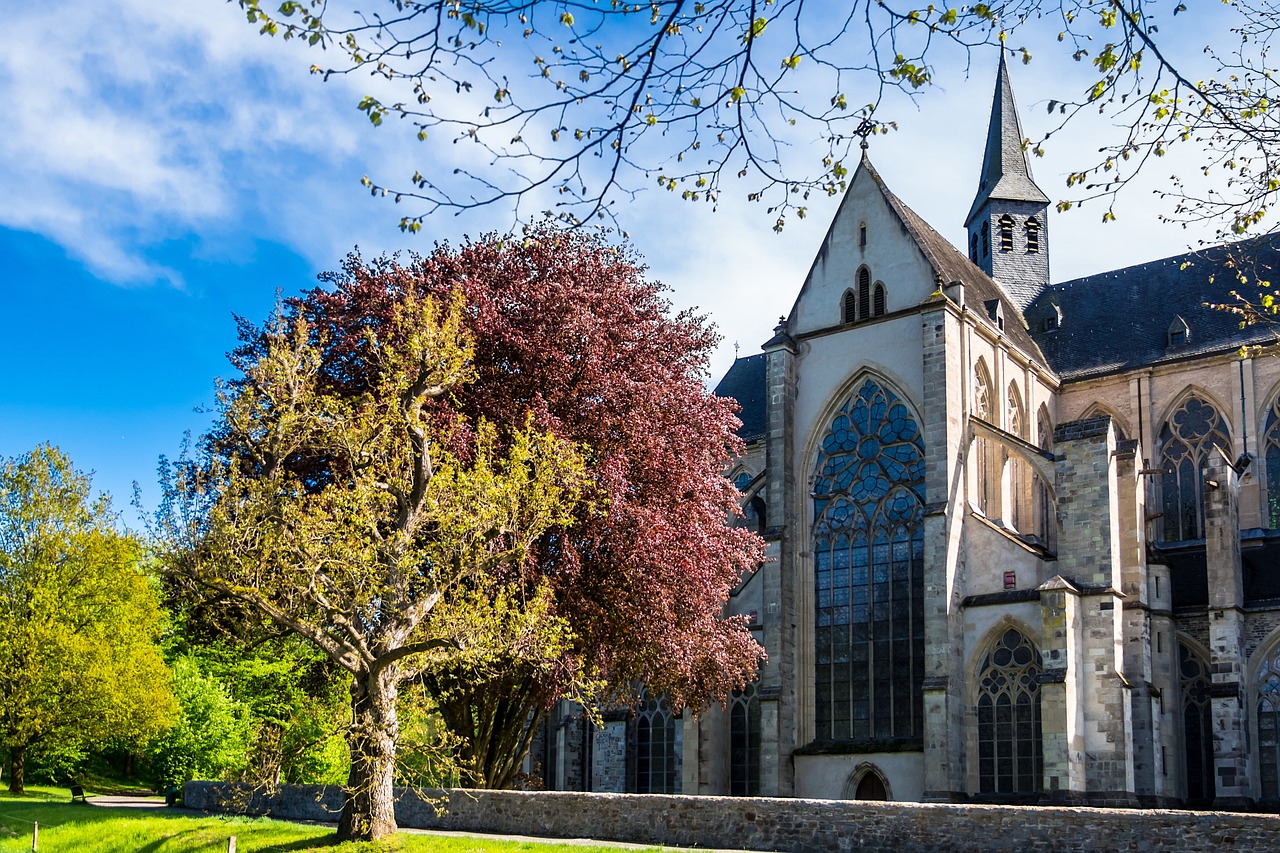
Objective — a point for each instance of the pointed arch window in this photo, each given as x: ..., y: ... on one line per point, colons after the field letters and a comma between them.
x: 1271, y: 457
x: 1197, y: 726
x: 983, y: 408
x: 1010, y: 752
x: 1267, y: 683
x: 657, y: 746
x: 744, y: 742
x: 864, y: 293
x: 869, y: 571
x: 849, y: 307
x: 1046, y: 521
x: 1017, y: 475
x: 1033, y: 235
x: 973, y: 247
x: 1186, y: 440
x: 877, y: 300
x: 986, y: 239
x: 1006, y: 233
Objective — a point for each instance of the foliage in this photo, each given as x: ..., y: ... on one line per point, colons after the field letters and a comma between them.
x: 566, y: 327
x: 79, y: 619
x: 580, y: 104
x: 210, y: 739
x: 365, y: 523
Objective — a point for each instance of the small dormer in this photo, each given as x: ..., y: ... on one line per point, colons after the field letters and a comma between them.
x: 1179, y: 334
x: 1053, y: 319
x: 995, y: 310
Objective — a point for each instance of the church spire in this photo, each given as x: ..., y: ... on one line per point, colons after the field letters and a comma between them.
x: 1008, y: 223
x: 1006, y: 174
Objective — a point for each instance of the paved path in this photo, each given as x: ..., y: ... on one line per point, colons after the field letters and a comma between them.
x: 136, y: 802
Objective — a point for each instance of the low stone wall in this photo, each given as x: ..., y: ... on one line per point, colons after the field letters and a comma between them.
x: 760, y: 823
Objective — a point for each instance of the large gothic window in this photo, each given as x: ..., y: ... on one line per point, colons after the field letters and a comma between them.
x: 1271, y: 454
x: 1186, y: 440
x: 1197, y: 726
x: 657, y: 746
x: 1268, y: 685
x: 983, y: 408
x: 869, y: 570
x: 1010, y: 753
x: 744, y: 743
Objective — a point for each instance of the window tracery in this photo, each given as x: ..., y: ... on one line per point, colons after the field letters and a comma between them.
x: 869, y: 570
x: 1186, y: 440
x: 1010, y: 752
x: 1197, y: 725
x: 744, y: 742
x: 656, y: 746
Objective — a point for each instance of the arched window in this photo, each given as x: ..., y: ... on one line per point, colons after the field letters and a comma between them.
x: 1016, y: 471
x: 862, y: 235
x: 1006, y: 233
x: 744, y: 743
x: 983, y: 408
x: 1197, y: 726
x: 868, y: 500
x: 1033, y: 235
x: 973, y: 247
x: 1010, y: 753
x: 1268, y: 685
x: 986, y: 239
x: 1186, y: 440
x: 877, y: 300
x: 657, y: 746
x: 1271, y: 456
x: 849, y: 307
x: 864, y: 293
x: 1046, y: 519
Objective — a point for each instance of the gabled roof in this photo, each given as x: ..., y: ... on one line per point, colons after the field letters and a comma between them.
x: 1120, y: 320
x: 980, y: 290
x: 1006, y: 174
x: 745, y: 382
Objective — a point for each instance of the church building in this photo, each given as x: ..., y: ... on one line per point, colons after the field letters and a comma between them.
x: 1024, y: 537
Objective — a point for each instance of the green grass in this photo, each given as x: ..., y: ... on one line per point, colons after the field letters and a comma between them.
x: 67, y: 828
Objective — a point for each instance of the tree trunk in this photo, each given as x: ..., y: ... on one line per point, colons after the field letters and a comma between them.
x: 17, y: 770
x: 368, y: 812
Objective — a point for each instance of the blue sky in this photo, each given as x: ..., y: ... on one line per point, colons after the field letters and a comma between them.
x: 164, y: 168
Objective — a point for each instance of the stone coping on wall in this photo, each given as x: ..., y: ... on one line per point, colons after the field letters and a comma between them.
x: 781, y: 824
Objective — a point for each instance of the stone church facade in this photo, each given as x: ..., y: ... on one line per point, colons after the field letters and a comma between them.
x: 1024, y: 537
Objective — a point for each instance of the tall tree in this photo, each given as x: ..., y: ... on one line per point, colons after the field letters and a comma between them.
x: 580, y: 104
x: 79, y: 619
x: 568, y: 328
x: 370, y: 522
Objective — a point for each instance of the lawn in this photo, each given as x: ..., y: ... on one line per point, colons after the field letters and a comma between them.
x: 67, y: 828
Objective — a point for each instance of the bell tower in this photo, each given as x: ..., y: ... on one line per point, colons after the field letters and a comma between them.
x: 1008, y: 223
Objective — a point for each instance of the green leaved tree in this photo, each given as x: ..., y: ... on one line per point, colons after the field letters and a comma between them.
x: 379, y: 526
x: 79, y: 618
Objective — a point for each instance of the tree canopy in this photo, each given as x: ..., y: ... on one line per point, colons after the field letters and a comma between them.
x: 575, y: 106
x: 79, y: 618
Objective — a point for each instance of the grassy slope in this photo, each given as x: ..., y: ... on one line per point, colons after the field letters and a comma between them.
x: 66, y: 828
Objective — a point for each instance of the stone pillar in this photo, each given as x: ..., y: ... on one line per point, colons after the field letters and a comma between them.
x: 783, y: 575
x: 1138, y: 649
x: 1060, y: 718
x: 1226, y: 636
x: 944, y: 429
x: 1090, y: 554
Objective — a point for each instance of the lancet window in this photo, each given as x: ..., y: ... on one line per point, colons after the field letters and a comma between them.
x: 657, y: 746
x: 744, y: 742
x: 1271, y: 458
x: 1197, y: 725
x: 868, y: 554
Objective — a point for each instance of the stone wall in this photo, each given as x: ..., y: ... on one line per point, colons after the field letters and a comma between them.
x: 759, y: 823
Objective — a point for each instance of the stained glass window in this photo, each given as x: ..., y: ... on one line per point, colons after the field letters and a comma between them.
x: 1197, y: 726
x: 744, y: 743
x: 1010, y: 753
x: 1271, y: 454
x: 1268, y: 684
x: 869, y: 570
x: 657, y: 746
x: 1186, y: 440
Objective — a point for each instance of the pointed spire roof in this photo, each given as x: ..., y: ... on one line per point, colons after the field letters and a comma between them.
x: 1006, y: 174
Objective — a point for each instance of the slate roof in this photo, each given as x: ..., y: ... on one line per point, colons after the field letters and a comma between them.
x: 1120, y: 320
x: 1006, y: 174
x: 745, y: 382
